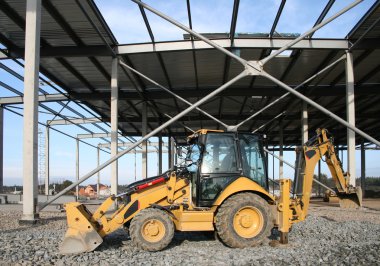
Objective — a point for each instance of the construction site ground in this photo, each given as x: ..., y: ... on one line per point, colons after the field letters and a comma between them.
x: 329, y: 236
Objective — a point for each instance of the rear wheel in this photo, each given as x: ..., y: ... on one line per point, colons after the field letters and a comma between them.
x: 151, y: 229
x: 244, y: 220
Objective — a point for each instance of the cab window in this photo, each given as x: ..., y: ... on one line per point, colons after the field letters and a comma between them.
x: 220, y: 154
x: 252, y: 159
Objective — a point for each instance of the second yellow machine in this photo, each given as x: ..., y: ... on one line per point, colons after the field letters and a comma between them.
x: 223, y: 188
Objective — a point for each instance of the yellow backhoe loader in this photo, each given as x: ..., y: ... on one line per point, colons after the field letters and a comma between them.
x: 223, y: 188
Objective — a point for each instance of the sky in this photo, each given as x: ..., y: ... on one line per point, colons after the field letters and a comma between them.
x: 124, y: 19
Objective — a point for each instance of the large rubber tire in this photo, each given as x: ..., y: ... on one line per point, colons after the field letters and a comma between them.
x: 251, y: 234
x: 151, y: 229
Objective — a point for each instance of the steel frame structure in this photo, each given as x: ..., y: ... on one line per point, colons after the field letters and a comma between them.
x: 253, y: 68
x: 197, y: 41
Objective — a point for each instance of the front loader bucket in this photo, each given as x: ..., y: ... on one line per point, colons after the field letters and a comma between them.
x: 81, y: 235
x: 352, y: 200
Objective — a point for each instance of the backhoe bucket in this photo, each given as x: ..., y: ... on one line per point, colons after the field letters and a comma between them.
x: 81, y: 235
x: 352, y: 200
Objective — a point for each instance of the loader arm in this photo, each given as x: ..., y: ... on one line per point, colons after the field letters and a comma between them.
x: 86, y: 230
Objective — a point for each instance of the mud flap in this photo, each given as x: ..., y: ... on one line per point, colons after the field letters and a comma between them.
x: 352, y: 200
x: 81, y: 235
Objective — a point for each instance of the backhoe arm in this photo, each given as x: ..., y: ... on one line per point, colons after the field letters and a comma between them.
x: 312, y: 151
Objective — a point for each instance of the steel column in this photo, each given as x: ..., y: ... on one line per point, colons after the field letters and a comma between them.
x: 160, y: 154
x: 114, y: 124
x: 304, y: 121
x: 30, y: 140
x: 281, y: 162
x: 144, y: 163
x: 98, y: 174
x: 1, y: 149
x: 169, y: 152
x: 273, y: 171
x: 77, y: 168
x: 350, y: 105
x: 363, y: 172
x: 47, y: 160
x: 319, y: 177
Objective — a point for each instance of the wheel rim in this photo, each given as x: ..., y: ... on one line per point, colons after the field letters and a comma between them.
x: 153, y: 230
x: 248, y: 222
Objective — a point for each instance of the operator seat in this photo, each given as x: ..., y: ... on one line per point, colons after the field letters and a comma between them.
x: 228, y: 163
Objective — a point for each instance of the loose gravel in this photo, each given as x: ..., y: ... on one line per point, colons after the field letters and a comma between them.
x: 329, y: 236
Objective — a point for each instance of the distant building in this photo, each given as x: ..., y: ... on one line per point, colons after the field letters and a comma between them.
x: 91, y: 191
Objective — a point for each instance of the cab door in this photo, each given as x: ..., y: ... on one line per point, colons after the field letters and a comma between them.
x: 219, y: 167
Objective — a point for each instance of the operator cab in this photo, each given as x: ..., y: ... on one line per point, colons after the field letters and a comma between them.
x: 216, y: 158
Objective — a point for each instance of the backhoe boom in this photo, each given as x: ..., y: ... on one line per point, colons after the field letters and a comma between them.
x: 307, y: 158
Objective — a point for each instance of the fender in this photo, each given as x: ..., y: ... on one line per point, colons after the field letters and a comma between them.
x: 242, y: 184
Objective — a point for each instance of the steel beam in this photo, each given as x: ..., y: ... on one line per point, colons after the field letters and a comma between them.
x: 336, y: 90
x: 270, y: 121
x: 41, y: 98
x: 278, y: 15
x: 171, y: 46
x: 30, y: 140
x: 323, y: 14
x: 126, y: 144
x: 293, y: 43
x: 3, y: 55
x: 114, y: 124
x: 234, y: 18
x: 350, y: 103
x: 63, y: 51
x: 75, y: 121
x: 94, y: 135
x: 256, y: 43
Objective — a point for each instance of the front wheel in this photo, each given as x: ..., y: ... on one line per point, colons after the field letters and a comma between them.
x: 151, y: 229
x: 244, y: 220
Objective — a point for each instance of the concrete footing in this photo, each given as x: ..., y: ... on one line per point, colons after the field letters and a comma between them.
x: 29, y: 219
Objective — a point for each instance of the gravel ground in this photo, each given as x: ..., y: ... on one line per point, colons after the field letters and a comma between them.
x: 329, y: 236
